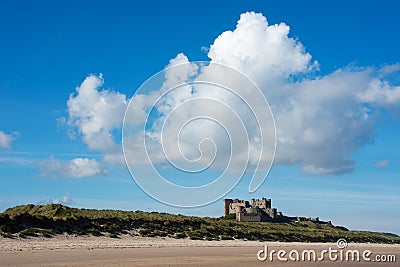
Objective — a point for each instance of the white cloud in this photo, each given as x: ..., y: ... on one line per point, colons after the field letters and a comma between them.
x: 75, y: 168
x: 65, y: 200
x: 389, y: 69
x: 321, y: 123
x: 382, y: 163
x: 320, y: 120
x: 263, y: 52
x: 236, y: 121
x: 381, y: 94
x: 7, y: 139
x: 95, y: 114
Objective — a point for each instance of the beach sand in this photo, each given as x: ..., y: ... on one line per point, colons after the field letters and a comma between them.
x: 141, y: 251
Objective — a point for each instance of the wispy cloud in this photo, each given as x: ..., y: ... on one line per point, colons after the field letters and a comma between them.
x: 16, y: 161
x: 382, y: 163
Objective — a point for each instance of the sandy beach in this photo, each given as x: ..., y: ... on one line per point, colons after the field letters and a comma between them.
x: 142, y: 251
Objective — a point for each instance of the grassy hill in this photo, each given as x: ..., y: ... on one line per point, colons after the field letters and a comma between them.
x: 49, y: 220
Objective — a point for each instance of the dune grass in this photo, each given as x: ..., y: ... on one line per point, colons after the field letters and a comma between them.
x: 48, y: 220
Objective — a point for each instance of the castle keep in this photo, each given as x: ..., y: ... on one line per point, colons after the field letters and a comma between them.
x: 259, y: 210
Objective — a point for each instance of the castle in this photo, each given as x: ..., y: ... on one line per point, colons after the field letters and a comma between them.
x: 260, y: 210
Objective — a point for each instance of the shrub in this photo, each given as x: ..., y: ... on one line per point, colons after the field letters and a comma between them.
x: 124, y: 232
x: 113, y: 235
x: 6, y: 235
x: 231, y: 216
x: 28, y: 232
x: 47, y: 233
x: 159, y: 233
x: 180, y: 235
x: 196, y: 237
x: 144, y: 232
x: 226, y: 237
x: 95, y: 232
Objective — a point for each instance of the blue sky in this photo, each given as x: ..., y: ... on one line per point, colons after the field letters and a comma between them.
x: 48, y: 48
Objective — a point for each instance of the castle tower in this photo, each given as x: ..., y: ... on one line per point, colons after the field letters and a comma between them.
x: 268, y: 203
x: 227, y: 202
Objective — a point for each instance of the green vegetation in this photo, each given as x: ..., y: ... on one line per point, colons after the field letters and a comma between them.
x: 180, y: 235
x: 34, y: 232
x: 28, y: 232
x: 113, y: 235
x: 231, y: 216
x: 48, y: 220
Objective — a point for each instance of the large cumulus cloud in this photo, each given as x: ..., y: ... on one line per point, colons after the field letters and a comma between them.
x: 320, y: 120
